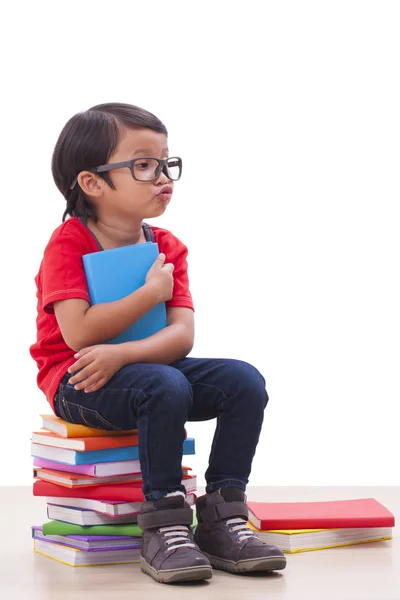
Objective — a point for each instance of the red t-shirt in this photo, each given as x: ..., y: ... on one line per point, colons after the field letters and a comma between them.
x: 61, y: 276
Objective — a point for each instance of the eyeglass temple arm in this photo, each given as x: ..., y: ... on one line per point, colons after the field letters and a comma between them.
x: 104, y: 168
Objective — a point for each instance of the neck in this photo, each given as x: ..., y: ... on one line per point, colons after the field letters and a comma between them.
x: 114, y: 234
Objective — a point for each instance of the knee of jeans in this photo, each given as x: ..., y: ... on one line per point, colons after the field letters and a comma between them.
x: 172, y: 390
x: 249, y: 379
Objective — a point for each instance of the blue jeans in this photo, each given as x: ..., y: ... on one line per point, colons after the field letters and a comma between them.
x: 159, y: 399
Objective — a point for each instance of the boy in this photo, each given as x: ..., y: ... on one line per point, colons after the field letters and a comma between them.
x: 111, y: 164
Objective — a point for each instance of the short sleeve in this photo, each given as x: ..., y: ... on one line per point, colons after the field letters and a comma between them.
x: 176, y: 252
x: 63, y: 274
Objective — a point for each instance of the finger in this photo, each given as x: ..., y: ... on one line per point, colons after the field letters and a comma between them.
x: 168, y: 267
x: 158, y: 263
x: 82, y: 375
x: 91, y: 380
x: 80, y: 363
x: 95, y: 386
x: 83, y: 352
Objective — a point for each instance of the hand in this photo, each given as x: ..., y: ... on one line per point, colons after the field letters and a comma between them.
x: 160, y: 277
x: 96, y: 366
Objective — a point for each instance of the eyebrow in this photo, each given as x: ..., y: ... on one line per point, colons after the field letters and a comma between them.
x: 147, y: 151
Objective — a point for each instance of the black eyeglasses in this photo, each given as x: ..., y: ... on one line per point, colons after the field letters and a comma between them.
x: 146, y: 168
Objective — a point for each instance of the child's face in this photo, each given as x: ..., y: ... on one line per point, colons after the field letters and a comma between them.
x: 131, y: 198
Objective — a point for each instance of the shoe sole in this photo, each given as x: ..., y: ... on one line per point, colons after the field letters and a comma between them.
x: 176, y: 575
x: 251, y: 565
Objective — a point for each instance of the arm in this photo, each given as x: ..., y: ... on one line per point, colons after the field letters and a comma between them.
x: 65, y: 292
x: 83, y: 325
x: 96, y: 365
x: 166, y: 346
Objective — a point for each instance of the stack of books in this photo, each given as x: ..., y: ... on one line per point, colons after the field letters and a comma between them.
x: 92, y: 482
x: 304, y: 526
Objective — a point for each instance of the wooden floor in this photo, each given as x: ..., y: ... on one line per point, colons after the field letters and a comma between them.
x: 365, y: 572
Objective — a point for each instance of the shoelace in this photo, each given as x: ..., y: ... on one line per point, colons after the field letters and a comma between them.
x: 179, y: 537
x: 241, y: 528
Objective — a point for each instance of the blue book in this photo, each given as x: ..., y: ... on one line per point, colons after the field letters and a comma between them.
x: 91, y: 457
x: 114, y: 274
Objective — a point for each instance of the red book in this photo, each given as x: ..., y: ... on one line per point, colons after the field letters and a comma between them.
x: 126, y: 492
x: 338, y: 514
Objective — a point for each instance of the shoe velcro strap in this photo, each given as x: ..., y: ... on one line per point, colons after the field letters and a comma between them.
x: 225, y: 510
x: 165, y: 518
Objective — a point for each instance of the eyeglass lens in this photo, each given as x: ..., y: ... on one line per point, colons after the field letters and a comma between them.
x: 146, y: 169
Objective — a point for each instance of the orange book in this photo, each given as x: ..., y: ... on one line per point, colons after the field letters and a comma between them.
x: 76, y: 480
x: 84, y: 443
x: 70, y: 430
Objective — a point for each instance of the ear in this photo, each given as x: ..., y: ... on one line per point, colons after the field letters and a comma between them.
x: 90, y: 184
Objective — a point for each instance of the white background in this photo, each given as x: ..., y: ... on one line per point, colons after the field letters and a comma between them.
x: 287, y: 117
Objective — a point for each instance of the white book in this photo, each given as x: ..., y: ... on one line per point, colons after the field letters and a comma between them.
x: 122, y: 467
x: 102, y: 506
x: 52, y: 453
x: 78, y: 516
x: 190, y: 484
x: 298, y: 540
x: 58, y: 442
x: 80, y: 558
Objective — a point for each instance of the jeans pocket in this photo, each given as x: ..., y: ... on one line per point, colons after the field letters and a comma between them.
x: 78, y: 414
x: 82, y: 415
x: 58, y: 409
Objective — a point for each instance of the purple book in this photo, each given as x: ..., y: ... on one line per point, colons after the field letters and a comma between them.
x: 86, y: 542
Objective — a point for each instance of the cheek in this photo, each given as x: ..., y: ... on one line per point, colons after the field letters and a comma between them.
x: 139, y: 191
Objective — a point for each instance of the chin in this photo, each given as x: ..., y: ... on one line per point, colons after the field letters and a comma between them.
x: 160, y: 210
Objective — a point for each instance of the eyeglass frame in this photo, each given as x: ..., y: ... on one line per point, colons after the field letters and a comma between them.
x: 162, y: 166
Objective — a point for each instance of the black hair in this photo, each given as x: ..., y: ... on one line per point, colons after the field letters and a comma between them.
x: 88, y: 140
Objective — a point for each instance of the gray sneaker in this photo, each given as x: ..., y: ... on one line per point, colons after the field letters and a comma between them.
x: 169, y: 553
x: 224, y: 537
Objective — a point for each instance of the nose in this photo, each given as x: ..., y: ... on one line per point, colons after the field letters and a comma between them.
x: 164, y: 172
x: 163, y: 178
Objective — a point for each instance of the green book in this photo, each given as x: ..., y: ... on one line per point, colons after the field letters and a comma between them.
x: 61, y: 528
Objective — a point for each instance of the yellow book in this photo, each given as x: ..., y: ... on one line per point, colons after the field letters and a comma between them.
x: 70, y: 430
x: 292, y: 541
x: 80, y: 558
